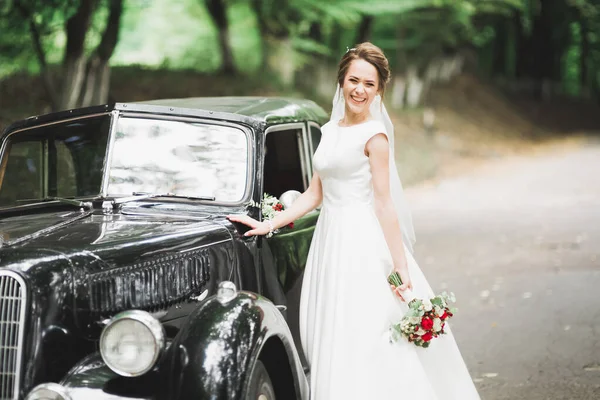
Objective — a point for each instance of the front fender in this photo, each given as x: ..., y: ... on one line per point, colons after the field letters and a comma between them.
x: 91, y: 378
x: 212, y: 355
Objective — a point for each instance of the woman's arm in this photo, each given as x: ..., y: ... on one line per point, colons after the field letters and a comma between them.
x: 378, y: 151
x: 308, y: 201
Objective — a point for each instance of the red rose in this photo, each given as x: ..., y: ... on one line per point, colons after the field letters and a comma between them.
x: 426, y: 337
x: 427, y: 323
x: 278, y: 207
x: 444, y: 316
x: 291, y: 225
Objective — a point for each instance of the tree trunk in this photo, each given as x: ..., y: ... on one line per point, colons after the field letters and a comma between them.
x: 415, y: 86
x: 98, y: 70
x: 311, y: 74
x: 543, y: 50
x: 584, y: 56
x: 499, y: 49
x: 262, y: 28
x: 73, y: 80
x: 364, y: 30
x: 218, y: 11
x: 398, y: 91
x: 74, y: 62
x: 281, y: 59
x: 40, y: 54
x: 523, y: 67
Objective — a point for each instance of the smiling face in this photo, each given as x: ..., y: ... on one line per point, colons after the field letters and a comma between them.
x: 360, y: 87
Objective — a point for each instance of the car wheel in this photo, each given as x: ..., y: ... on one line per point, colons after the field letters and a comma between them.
x: 261, y: 387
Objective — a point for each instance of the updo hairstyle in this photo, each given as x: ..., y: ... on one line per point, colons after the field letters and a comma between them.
x: 373, y: 55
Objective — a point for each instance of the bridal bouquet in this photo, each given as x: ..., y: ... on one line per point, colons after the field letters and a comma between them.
x: 425, y: 319
x: 270, y: 206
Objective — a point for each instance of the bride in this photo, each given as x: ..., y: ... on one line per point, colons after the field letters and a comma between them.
x: 364, y: 232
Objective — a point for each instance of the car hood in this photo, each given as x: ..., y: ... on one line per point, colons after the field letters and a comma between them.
x: 105, y: 262
x: 85, y: 230
x: 104, y: 236
x: 14, y: 230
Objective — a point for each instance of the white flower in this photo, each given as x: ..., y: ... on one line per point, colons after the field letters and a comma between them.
x: 428, y: 306
x: 437, y: 324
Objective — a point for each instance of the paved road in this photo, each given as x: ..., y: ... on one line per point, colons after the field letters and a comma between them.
x: 519, y: 244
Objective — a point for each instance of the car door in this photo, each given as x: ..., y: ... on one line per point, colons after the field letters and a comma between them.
x: 288, y: 166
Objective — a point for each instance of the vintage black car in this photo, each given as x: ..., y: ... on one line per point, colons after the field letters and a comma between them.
x: 120, y: 275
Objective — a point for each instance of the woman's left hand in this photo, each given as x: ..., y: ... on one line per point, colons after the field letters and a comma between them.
x: 258, y: 228
x: 406, y: 282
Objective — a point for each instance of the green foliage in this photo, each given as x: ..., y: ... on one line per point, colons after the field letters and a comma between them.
x: 570, y: 63
x: 165, y: 34
x: 150, y: 37
x: 17, y: 18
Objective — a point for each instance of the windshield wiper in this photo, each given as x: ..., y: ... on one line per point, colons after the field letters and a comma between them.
x: 61, y: 200
x: 141, y: 196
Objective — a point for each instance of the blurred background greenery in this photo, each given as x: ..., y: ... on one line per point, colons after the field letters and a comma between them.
x: 472, y: 79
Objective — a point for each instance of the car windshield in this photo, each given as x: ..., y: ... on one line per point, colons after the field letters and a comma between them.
x: 154, y: 156
x: 180, y: 157
x: 63, y: 159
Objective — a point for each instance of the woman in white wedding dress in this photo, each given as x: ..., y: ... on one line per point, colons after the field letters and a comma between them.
x: 364, y: 232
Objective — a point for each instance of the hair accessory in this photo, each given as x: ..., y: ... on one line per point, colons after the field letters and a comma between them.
x: 348, y: 49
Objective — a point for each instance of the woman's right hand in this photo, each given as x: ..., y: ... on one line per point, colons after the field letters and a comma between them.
x: 258, y: 228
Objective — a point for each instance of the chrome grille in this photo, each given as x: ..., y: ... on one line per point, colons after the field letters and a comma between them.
x: 12, y: 314
x: 153, y: 283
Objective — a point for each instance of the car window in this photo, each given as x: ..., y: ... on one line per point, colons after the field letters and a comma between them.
x: 283, y: 168
x: 66, y: 183
x: 180, y: 157
x: 63, y: 159
x: 22, y: 173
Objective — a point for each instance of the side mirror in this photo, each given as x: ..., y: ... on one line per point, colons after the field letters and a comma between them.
x: 289, y: 197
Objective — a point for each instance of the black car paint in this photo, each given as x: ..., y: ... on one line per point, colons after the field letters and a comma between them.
x: 63, y: 254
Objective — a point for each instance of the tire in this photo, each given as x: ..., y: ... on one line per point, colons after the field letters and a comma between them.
x: 260, y: 387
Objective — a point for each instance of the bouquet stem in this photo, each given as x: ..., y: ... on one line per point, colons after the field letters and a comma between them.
x: 395, y: 280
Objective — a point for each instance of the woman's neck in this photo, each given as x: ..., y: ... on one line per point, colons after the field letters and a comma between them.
x: 351, y: 118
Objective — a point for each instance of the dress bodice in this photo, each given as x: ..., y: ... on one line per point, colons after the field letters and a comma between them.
x: 342, y: 165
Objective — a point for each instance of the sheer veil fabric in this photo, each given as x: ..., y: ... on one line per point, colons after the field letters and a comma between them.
x: 379, y: 112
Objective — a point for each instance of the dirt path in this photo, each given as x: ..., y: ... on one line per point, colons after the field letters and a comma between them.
x: 518, y: 241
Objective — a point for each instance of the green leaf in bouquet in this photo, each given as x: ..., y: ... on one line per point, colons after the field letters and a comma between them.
x: 415, y: 304
x: 437, y: 301
x: 395, y: 333
x: 449, y: 297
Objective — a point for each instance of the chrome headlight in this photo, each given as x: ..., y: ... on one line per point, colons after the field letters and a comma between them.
x: 48, y: 391
x: 132, y: 343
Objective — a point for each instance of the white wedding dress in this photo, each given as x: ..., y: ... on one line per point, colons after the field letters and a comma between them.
x: 347, y: 306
